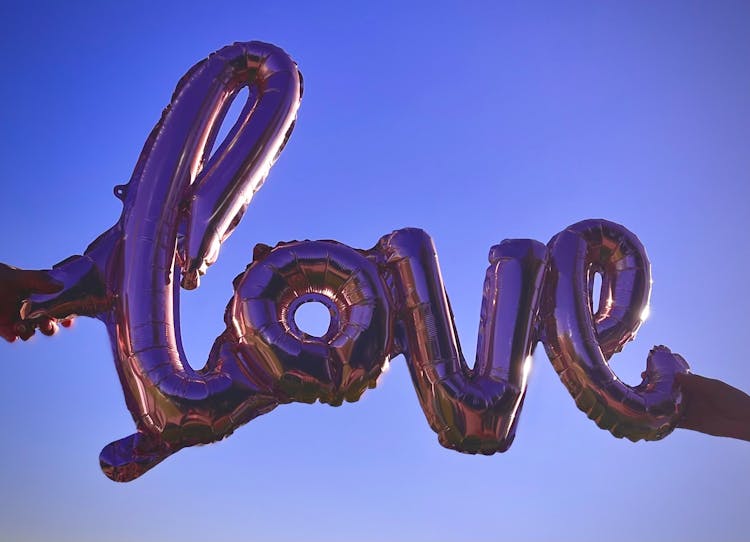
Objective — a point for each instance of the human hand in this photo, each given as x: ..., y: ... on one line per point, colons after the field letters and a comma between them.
x: 15, y: 286
x: 714, y: 407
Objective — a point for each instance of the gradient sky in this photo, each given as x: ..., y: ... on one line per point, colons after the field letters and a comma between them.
x: 474, y: 121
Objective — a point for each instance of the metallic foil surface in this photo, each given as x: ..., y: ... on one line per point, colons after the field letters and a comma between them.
x: 183, y: 201
x: 580, y: 338
x: 472, y: 410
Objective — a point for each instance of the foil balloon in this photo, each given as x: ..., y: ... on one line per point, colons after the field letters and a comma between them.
x: 183, y: 201
x: 351, y: 354
x: 580, y: 338
x: 179, y: 205
x: 472, y: 410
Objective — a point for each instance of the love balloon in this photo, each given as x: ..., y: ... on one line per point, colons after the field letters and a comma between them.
x: 180, y: 205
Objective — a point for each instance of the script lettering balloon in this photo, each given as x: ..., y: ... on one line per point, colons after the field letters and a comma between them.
x: 182, y: 202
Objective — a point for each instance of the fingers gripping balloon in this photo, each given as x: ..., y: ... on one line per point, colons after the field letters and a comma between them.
x: 180, y: 205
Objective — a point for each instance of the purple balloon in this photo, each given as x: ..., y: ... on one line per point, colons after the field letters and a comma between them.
x: 580, y: 338
x: 179, y: 205
x: 472, y: 410
x: 182, y: 202
x: 351, y: 354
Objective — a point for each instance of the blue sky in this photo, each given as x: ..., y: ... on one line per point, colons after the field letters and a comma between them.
x: 474, y: 121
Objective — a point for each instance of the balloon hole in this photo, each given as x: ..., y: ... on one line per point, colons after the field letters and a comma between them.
x: 313, y: 318
x: 596, y: 292
x: 231, y: 117
x: 120, y: 191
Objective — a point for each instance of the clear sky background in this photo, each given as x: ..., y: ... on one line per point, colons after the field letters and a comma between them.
x: 474, y: 121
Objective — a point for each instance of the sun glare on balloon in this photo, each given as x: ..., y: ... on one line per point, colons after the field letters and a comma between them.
x: 386, y: 367
x: 527, y: 364
x: 646, y: 313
